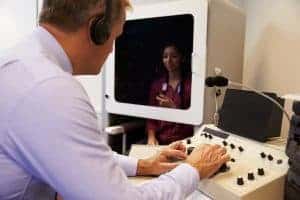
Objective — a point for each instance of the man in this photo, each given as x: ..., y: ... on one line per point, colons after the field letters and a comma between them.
x: 49, y: 138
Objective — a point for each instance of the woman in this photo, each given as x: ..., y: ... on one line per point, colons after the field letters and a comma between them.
x: 172, y: 90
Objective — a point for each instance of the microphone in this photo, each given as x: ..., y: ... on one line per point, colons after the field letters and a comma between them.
x: 210, y: 82
x: 218, y: 81
x: 221, y: 81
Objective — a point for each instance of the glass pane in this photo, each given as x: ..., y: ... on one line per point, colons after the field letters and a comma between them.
x: 153, y: 62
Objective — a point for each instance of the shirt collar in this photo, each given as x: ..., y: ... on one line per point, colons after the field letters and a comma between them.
x: 53, y: 49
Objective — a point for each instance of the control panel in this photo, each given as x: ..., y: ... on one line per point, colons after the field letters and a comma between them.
x: 256, y: 171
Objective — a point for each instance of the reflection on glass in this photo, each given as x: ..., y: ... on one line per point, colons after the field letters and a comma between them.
x: 153, y: 62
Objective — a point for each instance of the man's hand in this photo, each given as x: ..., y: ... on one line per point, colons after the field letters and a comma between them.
x: 162, y: 162
x: 207, y: 159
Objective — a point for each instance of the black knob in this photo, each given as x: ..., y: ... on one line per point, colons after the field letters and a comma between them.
x: 225, y: 143
x: 270, y: 157
x: 261, y: 171
x: 240, y: 180
x: 232, y: 160
x: 263, y: 155
x: 232, y: 146
x: 250, y: 176
x: 224, y: 168
x: 279, y: 161
x: 210, y: 137
x: 205, y: 135
x: 190, y: 150
x: 241, y: 149
x: 188, y: 141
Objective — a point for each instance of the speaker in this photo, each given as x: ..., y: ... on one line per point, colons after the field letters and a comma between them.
x: 250, y: 115
x: 100, y: 29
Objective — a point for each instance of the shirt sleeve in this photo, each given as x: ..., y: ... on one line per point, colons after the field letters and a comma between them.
x: 128, y: 164
x: 53, y: 134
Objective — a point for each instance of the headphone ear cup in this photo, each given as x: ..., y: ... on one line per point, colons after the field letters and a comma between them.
x: 100, y: 31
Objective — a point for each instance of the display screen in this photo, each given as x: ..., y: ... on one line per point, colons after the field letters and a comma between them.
x: 153, y: 62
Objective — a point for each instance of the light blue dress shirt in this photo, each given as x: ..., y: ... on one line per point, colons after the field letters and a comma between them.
x: 50, y: 140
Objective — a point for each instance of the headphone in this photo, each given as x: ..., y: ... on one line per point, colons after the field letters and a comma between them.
x: 100, y: 29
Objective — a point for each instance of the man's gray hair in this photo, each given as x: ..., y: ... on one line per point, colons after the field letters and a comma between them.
x: 70, y: 15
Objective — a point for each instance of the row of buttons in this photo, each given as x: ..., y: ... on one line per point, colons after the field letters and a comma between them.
x: 232, y: 146
x: 225, y: 143
x: 270, y: 157
x: 251, y: 177
x: 206, y: 135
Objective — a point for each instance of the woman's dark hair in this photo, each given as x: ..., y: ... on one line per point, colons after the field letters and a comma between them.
x: 185, y: 68
x: 185, y: 56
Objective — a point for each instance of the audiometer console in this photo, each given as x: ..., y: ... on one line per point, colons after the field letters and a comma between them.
x: 256, y: 170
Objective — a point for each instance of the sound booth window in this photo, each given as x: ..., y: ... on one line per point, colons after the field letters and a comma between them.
x: 153, y: 62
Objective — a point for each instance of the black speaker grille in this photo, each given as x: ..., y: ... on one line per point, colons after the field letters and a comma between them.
x: 250, y: 115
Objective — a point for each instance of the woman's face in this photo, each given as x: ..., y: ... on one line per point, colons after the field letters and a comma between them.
x: 172, y: 59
